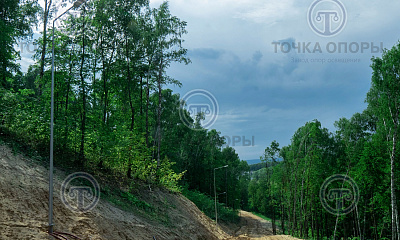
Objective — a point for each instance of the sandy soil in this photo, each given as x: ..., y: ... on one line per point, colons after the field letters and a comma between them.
x: 24, y: 212
x: 252, y: 227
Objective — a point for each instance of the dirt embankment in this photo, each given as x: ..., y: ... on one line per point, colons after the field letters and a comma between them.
x: 24, y: 212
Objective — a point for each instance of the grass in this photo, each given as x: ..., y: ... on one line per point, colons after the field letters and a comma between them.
x: 125, y: 200
x: 207, y: 205
x: 277, y: 221
x: 262, y: 216
x: 112, y: 193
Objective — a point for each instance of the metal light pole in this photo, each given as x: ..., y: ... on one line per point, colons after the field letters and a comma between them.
x: 215, y: 196
x: 226, y: 187
x: 76, y: 5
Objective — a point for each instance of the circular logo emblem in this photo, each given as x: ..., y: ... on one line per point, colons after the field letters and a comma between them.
x: 84, y: 195
x: 199, y: 103
x: 327, y: 18
x: 339, y: 194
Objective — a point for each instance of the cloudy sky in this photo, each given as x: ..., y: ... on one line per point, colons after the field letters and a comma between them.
x: 267, y: 92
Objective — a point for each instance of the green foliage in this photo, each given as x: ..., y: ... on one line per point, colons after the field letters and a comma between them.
x: 135, y: 201
x: 97, y: 119
x: 125, y: 200
x: 16, y: 20
x: 168, y: 178
x: 112, y: 115
x: 290, y: 188
x: 256, y: 166
x: 384, y: 103
x: 207, y: 205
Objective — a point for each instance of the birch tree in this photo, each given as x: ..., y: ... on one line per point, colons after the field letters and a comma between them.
x: 384, y: 99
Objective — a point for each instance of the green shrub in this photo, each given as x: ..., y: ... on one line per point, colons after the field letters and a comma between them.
x: 207, y: 205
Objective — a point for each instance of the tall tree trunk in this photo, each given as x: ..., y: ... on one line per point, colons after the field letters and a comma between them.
x: 358, y: 223
x: 294, y: 222
x: 147, y: 110
x: 47, y: 6
x: 282, y: 214
x: 326, y: 225
x: 365, y: 214
x: 317, y: 223
x: 105, y: 71
x: 67, y: 100
x: 83, y: 92
x: 141, y: 96
x: 397, y: 221
x: 395, y: 231
x: 132, y: 107
x: 105, y: 89
x: 4, y: 82
x: 159, y: 83
x: 273, y: 221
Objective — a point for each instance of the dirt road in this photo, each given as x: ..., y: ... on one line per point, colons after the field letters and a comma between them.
x: 252, y: 227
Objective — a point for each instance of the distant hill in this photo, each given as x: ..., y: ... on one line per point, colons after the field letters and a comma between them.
x: 256, y: 167
x: 253, y: 161
x: 256, y: 164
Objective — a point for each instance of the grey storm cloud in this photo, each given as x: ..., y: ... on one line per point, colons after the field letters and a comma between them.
x: 268, y: 98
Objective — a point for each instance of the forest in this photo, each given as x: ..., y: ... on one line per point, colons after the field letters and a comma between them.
x: 116, y: 115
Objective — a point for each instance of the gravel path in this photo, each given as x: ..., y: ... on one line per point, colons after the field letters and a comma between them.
x: 253, y: 227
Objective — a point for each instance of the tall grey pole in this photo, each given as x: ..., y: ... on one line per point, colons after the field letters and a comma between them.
x: 215, y: 200
x: 51, y: 187
x: 215, y: 196
x: 226, y: 187
x: 51, y: 139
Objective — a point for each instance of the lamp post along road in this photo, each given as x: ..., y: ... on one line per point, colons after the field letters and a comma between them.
x: 76, y: 5
x: 215, y: 196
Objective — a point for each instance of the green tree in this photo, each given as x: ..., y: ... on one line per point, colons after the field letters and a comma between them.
x: 270, y: 156
x: 167, y: 46
x: 384, y: 100
x: 16, y: 20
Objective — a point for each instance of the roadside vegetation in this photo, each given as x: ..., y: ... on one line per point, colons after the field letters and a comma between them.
x: 116, y: 118
x: 114, y: 114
